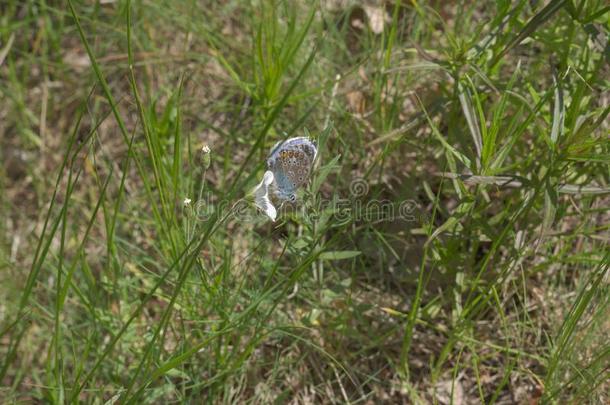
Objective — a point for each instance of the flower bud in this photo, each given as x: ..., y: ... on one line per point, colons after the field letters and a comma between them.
x: 205, y: 157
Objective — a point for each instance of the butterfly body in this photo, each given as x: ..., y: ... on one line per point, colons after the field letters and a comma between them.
x: 291, y: 162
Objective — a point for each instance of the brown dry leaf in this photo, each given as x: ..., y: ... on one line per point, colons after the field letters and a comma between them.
x: 356, y: 101
x: 357, y: 19
x: 362, y: 74
x: 377, y: 17
x: 335, y: 5
x: 444, y: 390
x: 76, y: 59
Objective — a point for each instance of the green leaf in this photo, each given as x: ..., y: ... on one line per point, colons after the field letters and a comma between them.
x: 340, y: 255
x: 323, y: 173
x: 558, y: 111
x: 532, y: 25
x: 458, y: 155
x: 466, y: 94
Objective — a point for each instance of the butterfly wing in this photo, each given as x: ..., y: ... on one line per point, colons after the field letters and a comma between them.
x: 301, y: 142
x: 291, y: 162
x: 261, y: 196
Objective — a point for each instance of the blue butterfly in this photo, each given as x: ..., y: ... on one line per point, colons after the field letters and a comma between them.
x: 291, y: 162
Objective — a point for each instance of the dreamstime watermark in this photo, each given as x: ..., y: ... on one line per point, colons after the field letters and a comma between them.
x: 355, y: 208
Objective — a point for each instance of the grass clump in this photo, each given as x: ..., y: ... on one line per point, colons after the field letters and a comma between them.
x: 450, y: 247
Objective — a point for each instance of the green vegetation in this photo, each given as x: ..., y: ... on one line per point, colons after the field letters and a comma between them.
x: 451, y: 246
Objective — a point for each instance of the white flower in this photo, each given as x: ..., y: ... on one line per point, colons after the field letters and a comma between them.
x: 206, y: 149
x: 187, y: 202
x: 261, y: 196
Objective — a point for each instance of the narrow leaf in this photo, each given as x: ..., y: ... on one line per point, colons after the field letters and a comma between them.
x: 340, y: 255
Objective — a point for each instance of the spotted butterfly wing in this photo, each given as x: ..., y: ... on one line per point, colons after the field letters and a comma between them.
x: 291, y: 162
x: 261, y: 196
